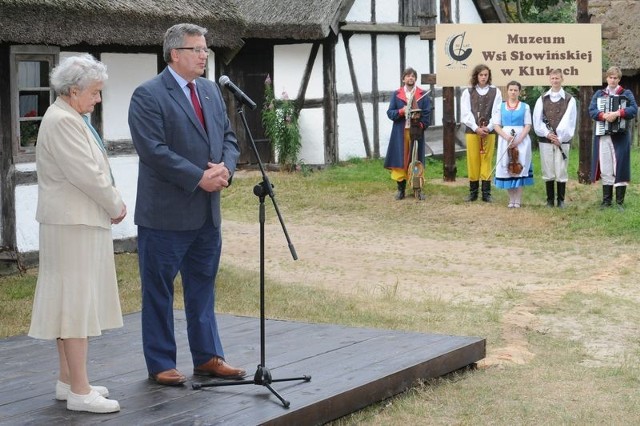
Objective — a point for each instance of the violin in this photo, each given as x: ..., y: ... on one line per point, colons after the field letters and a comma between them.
x: 515, y: 167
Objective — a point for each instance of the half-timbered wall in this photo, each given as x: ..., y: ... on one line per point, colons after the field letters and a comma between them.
x: 348, y: 88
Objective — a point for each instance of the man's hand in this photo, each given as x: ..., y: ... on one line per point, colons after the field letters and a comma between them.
x: 215, y: 178
x: 611, y: 116
x: 553, y: 138
x: 482, y: 132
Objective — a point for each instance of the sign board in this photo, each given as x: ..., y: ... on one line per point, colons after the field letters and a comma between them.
x: 522, y: 52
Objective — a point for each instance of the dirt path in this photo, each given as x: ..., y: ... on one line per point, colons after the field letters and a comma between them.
x: 356, y: 259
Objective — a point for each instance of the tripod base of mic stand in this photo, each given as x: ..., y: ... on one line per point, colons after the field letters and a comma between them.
x: 262, y: 377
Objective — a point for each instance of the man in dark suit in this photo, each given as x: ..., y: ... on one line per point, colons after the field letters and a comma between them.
x: 187, y: 155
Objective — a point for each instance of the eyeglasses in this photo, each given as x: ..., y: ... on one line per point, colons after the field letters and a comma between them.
x: 196, y: 50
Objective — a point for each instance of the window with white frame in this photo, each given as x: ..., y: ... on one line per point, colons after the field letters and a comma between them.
x: 31, y: 95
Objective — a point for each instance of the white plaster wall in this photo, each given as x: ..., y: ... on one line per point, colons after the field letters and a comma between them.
x: 125, y: 172
x: 26, y: 225
x: 437, y: 114
x: 211, y: 66
x: 418, y: 54
x: 387, y: 11
x: 289, y: 62
x: 388, y: 63
x: 360, y: 47
x: 361, y: 11
x: 350, y: 140
x: 468, y: 12
x: 126, y: 72
x: 311, y: 123
x: 384, y: 129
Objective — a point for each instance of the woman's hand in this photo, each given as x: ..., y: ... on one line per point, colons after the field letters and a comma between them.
x: 123, y: 213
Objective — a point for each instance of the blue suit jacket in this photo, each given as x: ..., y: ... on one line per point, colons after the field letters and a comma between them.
x: 173, y: 151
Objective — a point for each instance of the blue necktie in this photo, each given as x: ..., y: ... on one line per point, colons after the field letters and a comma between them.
x: 100, y: 144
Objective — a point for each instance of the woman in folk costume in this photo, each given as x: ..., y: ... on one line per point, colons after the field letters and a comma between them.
x: 514, y: 169
x: 406, y: 99
x: 611, y: 159
x: 478, y: 104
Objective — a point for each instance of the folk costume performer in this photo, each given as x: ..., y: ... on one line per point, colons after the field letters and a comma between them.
x: 611, y: 159
x: 406, y: 99
x: 478, y: 104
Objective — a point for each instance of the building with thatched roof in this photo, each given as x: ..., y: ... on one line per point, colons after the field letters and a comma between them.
x: 340, y: 60
x: 115, y: 22
x: 620, y: 42
x: 125, y: 34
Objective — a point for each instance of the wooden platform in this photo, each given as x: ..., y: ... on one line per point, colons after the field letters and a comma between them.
x: 350, y: 368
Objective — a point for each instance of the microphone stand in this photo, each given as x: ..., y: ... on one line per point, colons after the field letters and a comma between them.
x: 263, y: 375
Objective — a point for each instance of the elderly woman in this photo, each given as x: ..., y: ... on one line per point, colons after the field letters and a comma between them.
x: 77, y: 293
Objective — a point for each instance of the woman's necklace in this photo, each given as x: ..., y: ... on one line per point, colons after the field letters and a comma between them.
x: 512, y: 108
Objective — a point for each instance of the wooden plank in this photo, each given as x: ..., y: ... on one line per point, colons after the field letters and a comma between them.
x: 428, y: 32
x: 427, y: 78
x: 373, y: 28
x: 350, y: 368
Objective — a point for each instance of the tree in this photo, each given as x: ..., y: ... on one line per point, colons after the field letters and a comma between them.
x: 540, y: 11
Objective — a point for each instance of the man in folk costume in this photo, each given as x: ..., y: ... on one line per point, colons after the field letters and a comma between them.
x: 611, y: 159
x: 478, y: 104
x: 554, y: 121
x: 410, y: 110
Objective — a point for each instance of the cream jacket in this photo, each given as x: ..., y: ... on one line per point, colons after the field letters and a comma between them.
x: 74, y: 179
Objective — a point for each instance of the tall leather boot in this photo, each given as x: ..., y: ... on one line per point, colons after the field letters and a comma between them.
x: 486, y: 191
x: 551, y: 193
x: 620, y: 192
x: 473, y: 190
x: 562, y: 187
x: 402, y: 186
x: 607, y: 195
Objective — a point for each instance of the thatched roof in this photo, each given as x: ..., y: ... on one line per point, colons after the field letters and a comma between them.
x: 619, y: 21
x: 292, y: 19
x: 125, y: 22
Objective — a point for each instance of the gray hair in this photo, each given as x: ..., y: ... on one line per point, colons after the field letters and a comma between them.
x: 174, y: 37
x: 77, y: 71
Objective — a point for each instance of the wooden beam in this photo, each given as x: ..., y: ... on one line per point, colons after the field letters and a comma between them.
x: 585, y: 130
x: 428, y: 32
x: 427, y: 79
x: 374, y: 93
x: 358, y: 98
x: 329, y: 103
x: 306, y: 76
x: 379, y: 29
x: 7, y: 167
x: 448, y: 116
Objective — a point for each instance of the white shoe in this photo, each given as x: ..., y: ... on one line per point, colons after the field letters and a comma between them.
x: 92, y: 403
x: 62, y: 389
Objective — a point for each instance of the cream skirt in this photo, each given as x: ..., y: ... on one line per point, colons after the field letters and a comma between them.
x: 77, y: 290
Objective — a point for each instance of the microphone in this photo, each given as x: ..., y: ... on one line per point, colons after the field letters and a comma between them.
x: 239, y: 94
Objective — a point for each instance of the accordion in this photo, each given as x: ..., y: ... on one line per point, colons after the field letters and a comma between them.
x: 608, y: 104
